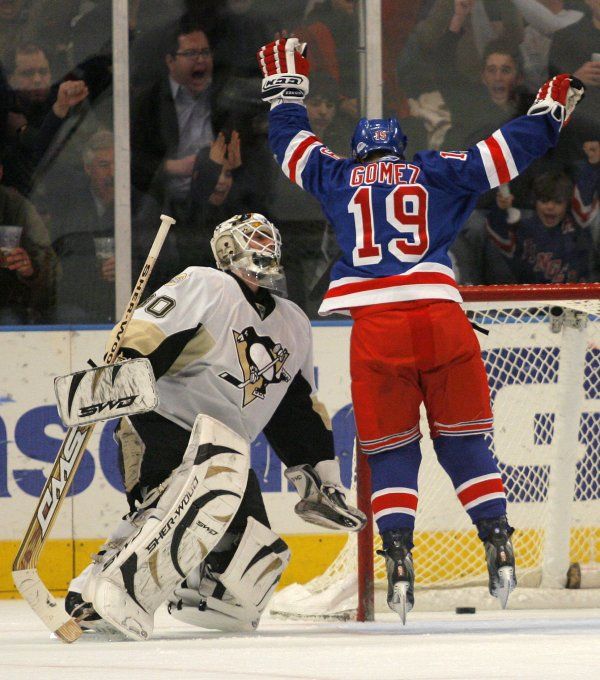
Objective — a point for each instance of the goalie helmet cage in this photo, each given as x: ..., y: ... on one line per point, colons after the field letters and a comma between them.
x: 542, y: 356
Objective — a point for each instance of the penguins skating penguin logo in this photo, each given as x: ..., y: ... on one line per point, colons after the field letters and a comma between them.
x: 261, y: 360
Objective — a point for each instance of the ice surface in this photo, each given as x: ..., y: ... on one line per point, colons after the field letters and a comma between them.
x: 503, y: 645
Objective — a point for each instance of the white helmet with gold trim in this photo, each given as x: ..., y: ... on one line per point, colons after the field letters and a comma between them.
x: 250, y: 246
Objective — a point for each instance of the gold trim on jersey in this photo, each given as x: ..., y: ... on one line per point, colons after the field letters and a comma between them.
x: 195, y: 349
x: 176, y: 279
x: 132, y: 450
x: 320, y: 408
x: 143, y: 336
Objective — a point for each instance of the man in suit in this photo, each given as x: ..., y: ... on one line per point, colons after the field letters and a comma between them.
x: 173, y: 120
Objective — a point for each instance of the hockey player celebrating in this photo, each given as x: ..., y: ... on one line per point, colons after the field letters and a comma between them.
x: 411, y: 342
x: 222, y: 345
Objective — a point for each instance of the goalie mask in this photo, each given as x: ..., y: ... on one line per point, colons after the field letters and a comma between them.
x: 250, y: 246
x: 374, y: 134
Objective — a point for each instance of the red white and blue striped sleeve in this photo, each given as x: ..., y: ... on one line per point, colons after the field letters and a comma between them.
x: 304, y: 159
x: 586, y: 197
x: 498, y: 161
x: 495, y: 160
x: 297, y: 154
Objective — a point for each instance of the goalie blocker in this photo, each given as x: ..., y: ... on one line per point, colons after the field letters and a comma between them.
x: 104, y: 392
x: 196, y: 504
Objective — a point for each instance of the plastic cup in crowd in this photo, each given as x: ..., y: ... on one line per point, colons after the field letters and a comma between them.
x: 105, y: 247
x: 10, y: 238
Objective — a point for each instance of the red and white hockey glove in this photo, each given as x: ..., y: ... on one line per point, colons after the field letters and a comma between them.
x: 558, y: 96
x: 285, y: 70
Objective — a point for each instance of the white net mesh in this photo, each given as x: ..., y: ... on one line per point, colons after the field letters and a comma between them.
x: 544, y: 375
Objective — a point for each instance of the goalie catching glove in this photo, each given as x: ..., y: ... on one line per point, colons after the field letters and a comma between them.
x: 558, y: 96
x: 285, y: 71
x: 323, y: 497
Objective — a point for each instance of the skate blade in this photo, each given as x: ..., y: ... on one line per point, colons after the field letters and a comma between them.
x: 100, y: 628
x: 399, y: 602
x: 506, y: 584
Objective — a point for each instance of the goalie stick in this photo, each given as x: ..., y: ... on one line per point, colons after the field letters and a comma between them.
x: 24, y: 568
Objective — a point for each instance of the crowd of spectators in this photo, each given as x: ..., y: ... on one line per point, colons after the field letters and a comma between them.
x: 467, y: 67
x: 453, y: 71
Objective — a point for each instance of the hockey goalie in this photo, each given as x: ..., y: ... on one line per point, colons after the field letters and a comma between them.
x: 230, y: 358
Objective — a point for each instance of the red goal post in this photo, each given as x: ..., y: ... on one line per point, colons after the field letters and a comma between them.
x: 542, y: 354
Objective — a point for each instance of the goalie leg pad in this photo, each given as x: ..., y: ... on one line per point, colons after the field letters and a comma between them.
x: 323, y: 498
x: 75, y: 603
x: 200, y: 499
x: 234, y: 601
x: 203, y: 601
x: 256, y: 566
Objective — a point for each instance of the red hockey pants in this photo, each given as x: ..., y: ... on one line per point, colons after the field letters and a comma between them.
x: 406, y: 353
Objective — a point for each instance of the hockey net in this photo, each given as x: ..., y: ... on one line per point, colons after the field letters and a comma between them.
x: 542, y: 354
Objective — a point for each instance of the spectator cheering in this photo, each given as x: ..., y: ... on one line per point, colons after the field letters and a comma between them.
x: 38, y: 114
x: 547, y: 246
x: 172, y: 122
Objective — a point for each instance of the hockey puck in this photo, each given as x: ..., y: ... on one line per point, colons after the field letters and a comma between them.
x: 465, y: 610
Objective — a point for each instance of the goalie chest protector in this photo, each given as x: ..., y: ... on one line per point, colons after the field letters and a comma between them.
x: 225, y: 356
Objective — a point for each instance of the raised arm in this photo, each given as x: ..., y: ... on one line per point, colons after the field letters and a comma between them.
x: 304, y: 159
x: 543, y: 19
x: 508, y: 151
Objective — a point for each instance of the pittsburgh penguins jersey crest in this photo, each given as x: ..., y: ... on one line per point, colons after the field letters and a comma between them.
x: 217, y: 348
x: 261, y: 362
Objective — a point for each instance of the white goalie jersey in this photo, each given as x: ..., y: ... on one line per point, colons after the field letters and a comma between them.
x: 217, y: 348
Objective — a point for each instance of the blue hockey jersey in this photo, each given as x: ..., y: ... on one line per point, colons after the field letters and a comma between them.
x: 539, y: 254
x: 395, y: 220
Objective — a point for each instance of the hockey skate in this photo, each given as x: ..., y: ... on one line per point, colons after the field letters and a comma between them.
x: 83, y: 612
x: 495, y: 534
x: 323, y: 499
x: 400, y: 571
x: 86, y: 616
